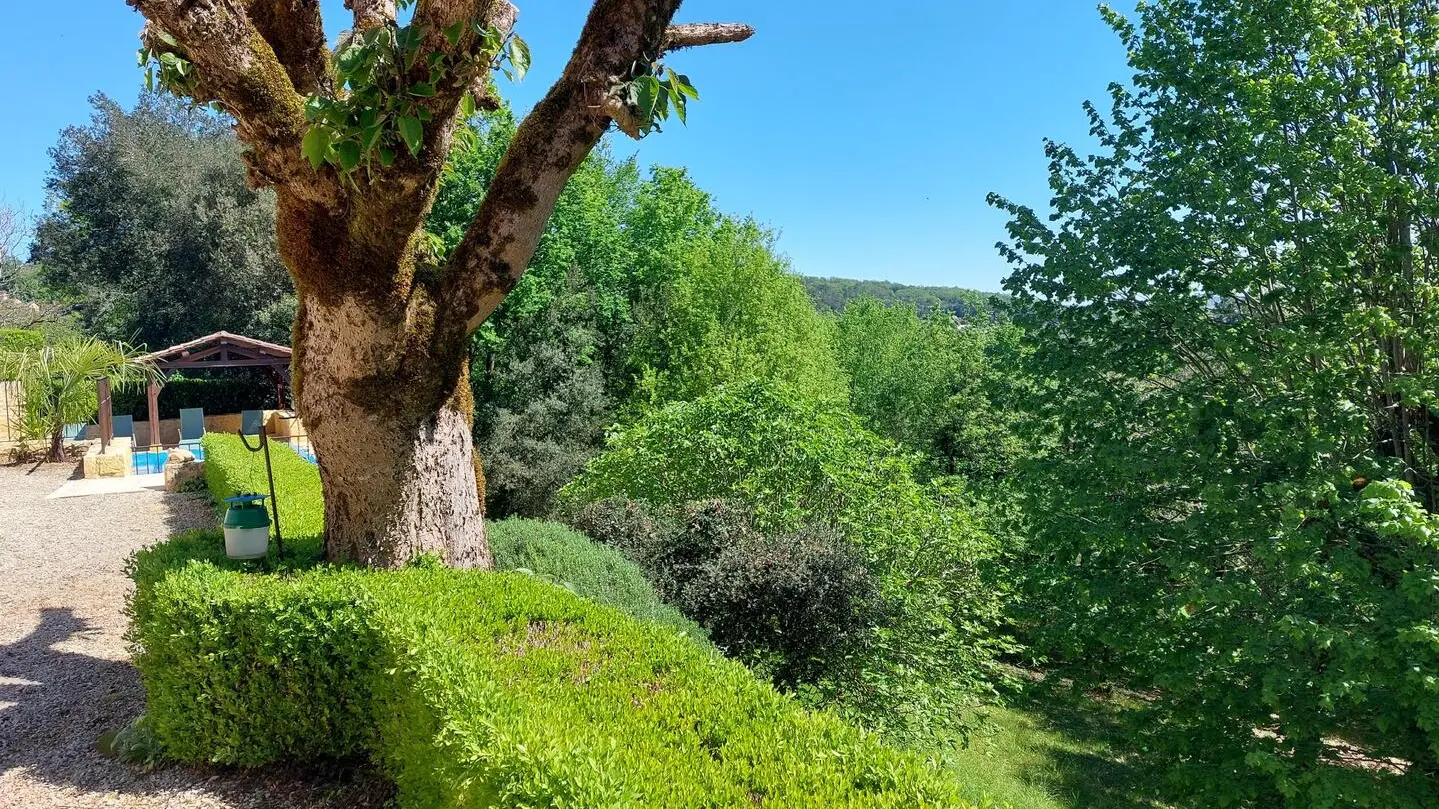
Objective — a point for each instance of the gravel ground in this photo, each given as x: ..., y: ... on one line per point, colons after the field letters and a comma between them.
x: 64, y: 674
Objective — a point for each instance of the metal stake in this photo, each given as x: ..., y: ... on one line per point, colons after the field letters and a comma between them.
x: 269, y: 474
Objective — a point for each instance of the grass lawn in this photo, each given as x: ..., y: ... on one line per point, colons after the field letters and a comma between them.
x: 1057, y: 750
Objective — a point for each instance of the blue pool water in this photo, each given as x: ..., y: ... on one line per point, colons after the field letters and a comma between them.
x: 152, y: 462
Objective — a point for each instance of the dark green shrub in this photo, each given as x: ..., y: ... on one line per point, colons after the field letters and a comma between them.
x: 793, y: 463
x: 793, y: 604
x: 475, y: 690
x: 560, y: 555
x: 222, y: 394
x: 632, y: 526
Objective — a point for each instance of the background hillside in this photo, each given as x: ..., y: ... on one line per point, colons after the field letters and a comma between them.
x: 831, y: 294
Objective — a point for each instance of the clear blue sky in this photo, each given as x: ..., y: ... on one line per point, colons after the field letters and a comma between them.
x: 866, y: 133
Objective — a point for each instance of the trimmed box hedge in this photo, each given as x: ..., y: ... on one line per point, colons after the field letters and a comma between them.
x: 475, y: 689
x: 548, y: 550
x: 231, y: 469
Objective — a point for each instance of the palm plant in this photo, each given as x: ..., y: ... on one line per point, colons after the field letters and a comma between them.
x: 58, y: 382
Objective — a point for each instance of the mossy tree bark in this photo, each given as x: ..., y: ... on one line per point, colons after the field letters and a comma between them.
x: 381, y: 337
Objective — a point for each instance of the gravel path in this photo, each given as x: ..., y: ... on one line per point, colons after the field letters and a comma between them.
x: 64, y: 674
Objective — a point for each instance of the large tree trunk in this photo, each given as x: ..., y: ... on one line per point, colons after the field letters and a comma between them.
x: 393, y: 440
x: 380, y: 338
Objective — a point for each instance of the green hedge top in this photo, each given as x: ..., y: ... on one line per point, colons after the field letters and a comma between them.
x: 231, y: 469
x: 478, y: 689
x: 21, y: 340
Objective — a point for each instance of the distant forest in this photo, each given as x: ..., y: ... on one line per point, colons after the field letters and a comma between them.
x: 831, y: 294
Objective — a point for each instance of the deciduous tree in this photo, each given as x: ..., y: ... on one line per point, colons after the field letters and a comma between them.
x: 354, y: 141
x: 150, y: 230
x: 1233, y: 317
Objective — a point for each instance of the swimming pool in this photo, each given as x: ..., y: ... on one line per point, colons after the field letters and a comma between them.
x: 152, y: 462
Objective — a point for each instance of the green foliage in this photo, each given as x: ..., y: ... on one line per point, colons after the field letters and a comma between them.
x: 789, y: 604
x: 1232, y: 324
x: 798, y: 463
x: 732, y: 312
x: 640, y: 293
x: 240, y: 671
x: 381, y: 110
x: 561, y: 556
x: 547, y: 550
x: 231, y: 469
x: 152, y: 231
x: 59, y: 382
x: 653, y: 93
x: 176, y: 73
x: 476, y: 689
x: 544, y: 408
x: 230, y: 393
x: 932, y: 384
x: 834, y: 294
x: 18, y: 340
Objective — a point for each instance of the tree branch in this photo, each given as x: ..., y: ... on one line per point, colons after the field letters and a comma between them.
x: 297, y: 34
x: 236, y: 66
x: 471, y: 64
x: 392, y: 217
x: 549, y: 146
x: 692, y: 35
x: 370, y: 13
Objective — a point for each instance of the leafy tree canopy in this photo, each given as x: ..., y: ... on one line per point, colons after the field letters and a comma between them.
x: 150, y: 226
x: 1231, y: 312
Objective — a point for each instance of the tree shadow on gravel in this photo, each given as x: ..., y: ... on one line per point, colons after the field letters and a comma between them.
x: 187, y: 510
x: 55, y: 704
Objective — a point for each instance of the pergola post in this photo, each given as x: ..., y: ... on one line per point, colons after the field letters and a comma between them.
x: 278, y: 379
x: 153, y: 400
x: 107, y: 418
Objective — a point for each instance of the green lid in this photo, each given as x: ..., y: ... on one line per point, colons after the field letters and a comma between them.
x: 247, y: 515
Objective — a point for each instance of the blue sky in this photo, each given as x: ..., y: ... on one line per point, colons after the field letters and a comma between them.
x: 866, y: 133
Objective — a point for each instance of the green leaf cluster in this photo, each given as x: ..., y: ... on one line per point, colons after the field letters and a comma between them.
x: 175, y: 75
x: 379, y: 109
x: 654, y: 92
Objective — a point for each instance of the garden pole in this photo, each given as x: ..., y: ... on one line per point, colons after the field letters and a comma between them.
x: 269, y: 475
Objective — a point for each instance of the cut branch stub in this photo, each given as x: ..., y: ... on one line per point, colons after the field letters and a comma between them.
x: 370, y: 13
x: 691, y: 35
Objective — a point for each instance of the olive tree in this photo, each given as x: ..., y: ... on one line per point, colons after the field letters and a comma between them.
x: 353, y: 140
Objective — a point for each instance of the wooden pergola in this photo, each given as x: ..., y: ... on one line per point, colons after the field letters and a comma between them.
x: 219, y: 350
